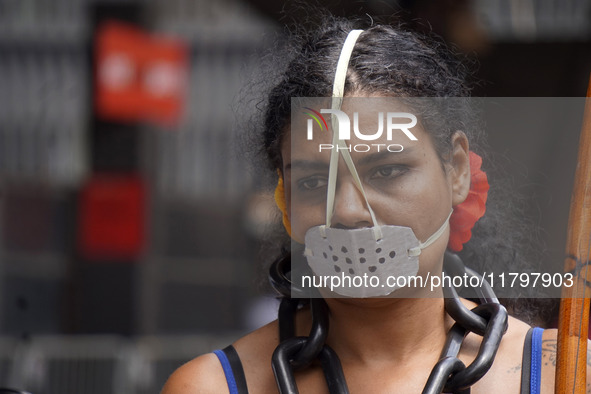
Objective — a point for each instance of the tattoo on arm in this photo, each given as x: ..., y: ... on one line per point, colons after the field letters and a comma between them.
x: 515, y: 369
x: 549, y: 347
x: 549, y: 352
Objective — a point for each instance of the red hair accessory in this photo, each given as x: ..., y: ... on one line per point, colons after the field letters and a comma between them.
x: 466, y: 214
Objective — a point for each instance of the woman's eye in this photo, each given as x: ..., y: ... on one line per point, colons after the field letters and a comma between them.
x: 388, y: 172
x: 312, y: 183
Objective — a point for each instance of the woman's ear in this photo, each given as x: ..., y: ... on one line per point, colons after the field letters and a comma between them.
x: 460, y: 168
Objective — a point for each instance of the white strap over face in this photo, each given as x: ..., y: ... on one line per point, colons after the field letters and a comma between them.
x: 378, y: 251
x: 340, y: 145
x: 434, y: 237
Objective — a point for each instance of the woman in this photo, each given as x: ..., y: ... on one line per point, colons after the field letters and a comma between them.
x: 408, y: 188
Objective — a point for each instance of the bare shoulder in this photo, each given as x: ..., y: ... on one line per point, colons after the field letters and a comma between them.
x: 203, y: 374
x: 259, y: 343
x: 255, y: 351
x: 510, y: 353
x: 516, y: 332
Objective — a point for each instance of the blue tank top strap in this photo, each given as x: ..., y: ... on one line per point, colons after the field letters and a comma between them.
x: 233, y: 370
x: 536, y: 361
x: 531, y: 366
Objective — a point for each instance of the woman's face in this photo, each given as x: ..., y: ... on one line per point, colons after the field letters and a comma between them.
x: 411, y: 188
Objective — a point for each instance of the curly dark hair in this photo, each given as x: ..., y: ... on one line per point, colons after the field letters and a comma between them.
x: 386, y: 60
x: 390, y: 60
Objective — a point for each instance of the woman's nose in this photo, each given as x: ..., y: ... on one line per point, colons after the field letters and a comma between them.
x: 350, y: 210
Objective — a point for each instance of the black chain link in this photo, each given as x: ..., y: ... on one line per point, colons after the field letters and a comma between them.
x: 289, y: 349
x: 449, y: 375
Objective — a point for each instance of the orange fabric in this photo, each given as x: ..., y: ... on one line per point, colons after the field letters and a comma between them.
x: 280, y: 201
x: 466, y: 214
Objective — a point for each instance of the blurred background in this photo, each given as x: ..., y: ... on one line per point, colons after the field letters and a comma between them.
x: 130, y: 227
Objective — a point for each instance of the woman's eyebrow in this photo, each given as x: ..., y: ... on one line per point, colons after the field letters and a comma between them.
x: 307, y: 165
x: 383, y: 154
x: 366, y: 159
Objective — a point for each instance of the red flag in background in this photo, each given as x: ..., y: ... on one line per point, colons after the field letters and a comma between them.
x: 139, y: 76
